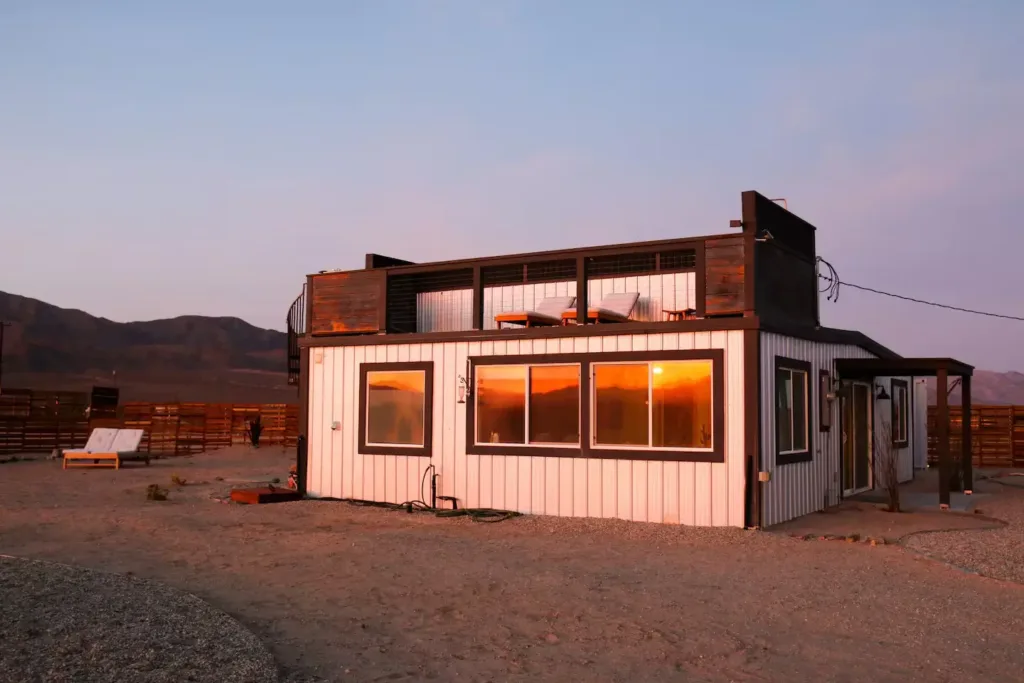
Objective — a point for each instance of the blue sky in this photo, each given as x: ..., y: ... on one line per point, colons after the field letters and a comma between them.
x: 159, y: 159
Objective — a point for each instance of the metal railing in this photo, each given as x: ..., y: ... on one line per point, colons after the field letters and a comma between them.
x: 296, y: 328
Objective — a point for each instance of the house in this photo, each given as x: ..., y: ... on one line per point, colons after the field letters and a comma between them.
x: 684, y: 381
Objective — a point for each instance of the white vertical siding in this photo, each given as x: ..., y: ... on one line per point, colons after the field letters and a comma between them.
x: 452, y: 310
x: 802, y: 488
x: 709, y: 494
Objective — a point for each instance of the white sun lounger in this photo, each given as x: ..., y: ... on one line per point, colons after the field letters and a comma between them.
x: 547, y: 312
x: 107, y: 448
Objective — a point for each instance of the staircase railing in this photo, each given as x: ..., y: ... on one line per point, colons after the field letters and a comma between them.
x: 296, y: 328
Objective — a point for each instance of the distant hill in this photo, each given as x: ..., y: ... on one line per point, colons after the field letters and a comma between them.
x: 189, y: 358
x: 994, y: 388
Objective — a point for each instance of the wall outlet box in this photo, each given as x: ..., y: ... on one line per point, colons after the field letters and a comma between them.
x: 764, y: 476
x: 335, y: 426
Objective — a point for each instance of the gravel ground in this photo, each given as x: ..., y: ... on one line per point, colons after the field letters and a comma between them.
x: 998, y: 553
x: 60, y: 623
x: 343, y: 593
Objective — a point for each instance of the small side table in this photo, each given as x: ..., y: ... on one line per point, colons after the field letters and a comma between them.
x: 681, y: 314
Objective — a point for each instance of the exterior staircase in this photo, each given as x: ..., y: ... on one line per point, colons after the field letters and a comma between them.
x: 296, y: 328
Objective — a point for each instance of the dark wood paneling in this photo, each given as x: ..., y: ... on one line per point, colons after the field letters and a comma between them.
x: 725, y: 271
x: 347, y: 303
x: 786, y: 285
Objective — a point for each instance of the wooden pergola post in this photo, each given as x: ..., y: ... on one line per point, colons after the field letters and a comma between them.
x: 942, y: 438
x: 966, y: 463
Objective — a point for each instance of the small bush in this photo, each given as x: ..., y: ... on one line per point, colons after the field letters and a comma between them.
x: 154, y: 492
x: 178, y: 481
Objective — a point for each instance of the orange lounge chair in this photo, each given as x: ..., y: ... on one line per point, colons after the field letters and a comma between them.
x: 546, y: 313
x: 614, y: 308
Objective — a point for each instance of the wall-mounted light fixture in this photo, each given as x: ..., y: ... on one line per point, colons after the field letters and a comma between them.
x: 465, y: 389
x: 882, y: 395
x: 764, y: 236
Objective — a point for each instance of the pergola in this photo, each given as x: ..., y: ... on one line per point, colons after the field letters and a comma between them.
x: 941, y: 369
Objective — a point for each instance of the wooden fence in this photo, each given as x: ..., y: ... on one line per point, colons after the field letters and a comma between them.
x: 997, y: 433
x: 38, y: 422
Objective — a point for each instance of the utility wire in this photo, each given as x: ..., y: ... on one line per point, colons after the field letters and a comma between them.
x: 832, y: 285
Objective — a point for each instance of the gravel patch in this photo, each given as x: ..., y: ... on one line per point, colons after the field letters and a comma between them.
x: 997, y: 553
x: 61, y: 623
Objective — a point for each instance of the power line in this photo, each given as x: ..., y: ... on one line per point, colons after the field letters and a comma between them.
x: 833, y: 284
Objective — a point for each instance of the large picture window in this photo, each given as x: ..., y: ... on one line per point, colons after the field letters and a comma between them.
x: 395, y: 408
x: 528, y: 404
x: 656, y: 405
x: 900, y: 413
x: 792, y: 414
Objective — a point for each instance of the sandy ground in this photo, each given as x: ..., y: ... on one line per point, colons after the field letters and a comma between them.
x: 342, y: 593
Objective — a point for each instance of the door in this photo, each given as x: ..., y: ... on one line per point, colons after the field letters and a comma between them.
x: 856, y: 438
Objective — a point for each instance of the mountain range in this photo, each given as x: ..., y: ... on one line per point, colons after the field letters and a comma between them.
x: 189, y: 358
x: 200, y: 358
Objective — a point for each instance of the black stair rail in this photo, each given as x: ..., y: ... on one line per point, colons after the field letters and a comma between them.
x: 296, y: 328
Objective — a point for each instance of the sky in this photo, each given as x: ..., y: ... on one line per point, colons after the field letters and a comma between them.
x: 162, y: 159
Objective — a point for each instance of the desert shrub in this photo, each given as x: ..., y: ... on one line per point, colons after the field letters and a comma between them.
x: 154, y: 492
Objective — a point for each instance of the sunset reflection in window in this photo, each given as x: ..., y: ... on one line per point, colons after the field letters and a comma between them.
x: 662, y: 404
x: 501, y: 404
x: 555, y: 404
x: 395, y: 407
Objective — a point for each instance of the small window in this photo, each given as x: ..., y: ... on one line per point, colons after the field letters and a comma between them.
x: 528, y: 404
x: 824, y: 403
x: 900, y: 412
x: 395, y: 408
x: 653, y: 405
x: 792, y: 417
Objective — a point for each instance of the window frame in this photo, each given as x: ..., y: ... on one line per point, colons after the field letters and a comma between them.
x: 426, y: 450
x: 898, y: 442
x: 585, y: 449
x: 650, y: 405
x: 472, y: 436
x: 805, y: 454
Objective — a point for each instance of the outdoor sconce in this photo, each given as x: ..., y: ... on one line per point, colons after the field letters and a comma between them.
x: 464, y: 388
x: 883, y: 395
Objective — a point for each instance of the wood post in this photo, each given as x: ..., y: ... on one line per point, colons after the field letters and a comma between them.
x: 942, y: 438
x: 478, y: 299
x: 581, y: 290
x: 967, y: 476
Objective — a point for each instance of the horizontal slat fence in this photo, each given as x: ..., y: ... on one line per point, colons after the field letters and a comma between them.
x: 38, y: 422
x: 997, y: 433
x: 185, y: 428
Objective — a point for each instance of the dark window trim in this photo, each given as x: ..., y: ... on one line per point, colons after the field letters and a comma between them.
x: 783, y: 363
x: 426, y: 450
x: 585, y: 450
x: 824, y: 405
x: 896, y: 442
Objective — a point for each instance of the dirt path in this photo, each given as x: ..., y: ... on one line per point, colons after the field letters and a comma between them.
x: 362, y: 594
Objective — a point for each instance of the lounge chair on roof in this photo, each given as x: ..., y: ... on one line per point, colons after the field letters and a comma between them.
x: 614, y: 308
x: 547, y: 312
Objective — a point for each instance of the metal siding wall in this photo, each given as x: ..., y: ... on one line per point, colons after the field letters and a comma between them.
x: 451, y: 311
x: 709, y: 494
x: 802, y: 488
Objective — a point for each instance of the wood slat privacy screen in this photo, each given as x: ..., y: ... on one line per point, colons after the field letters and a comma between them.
x: 997, y: 433
x: 38, y: 422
